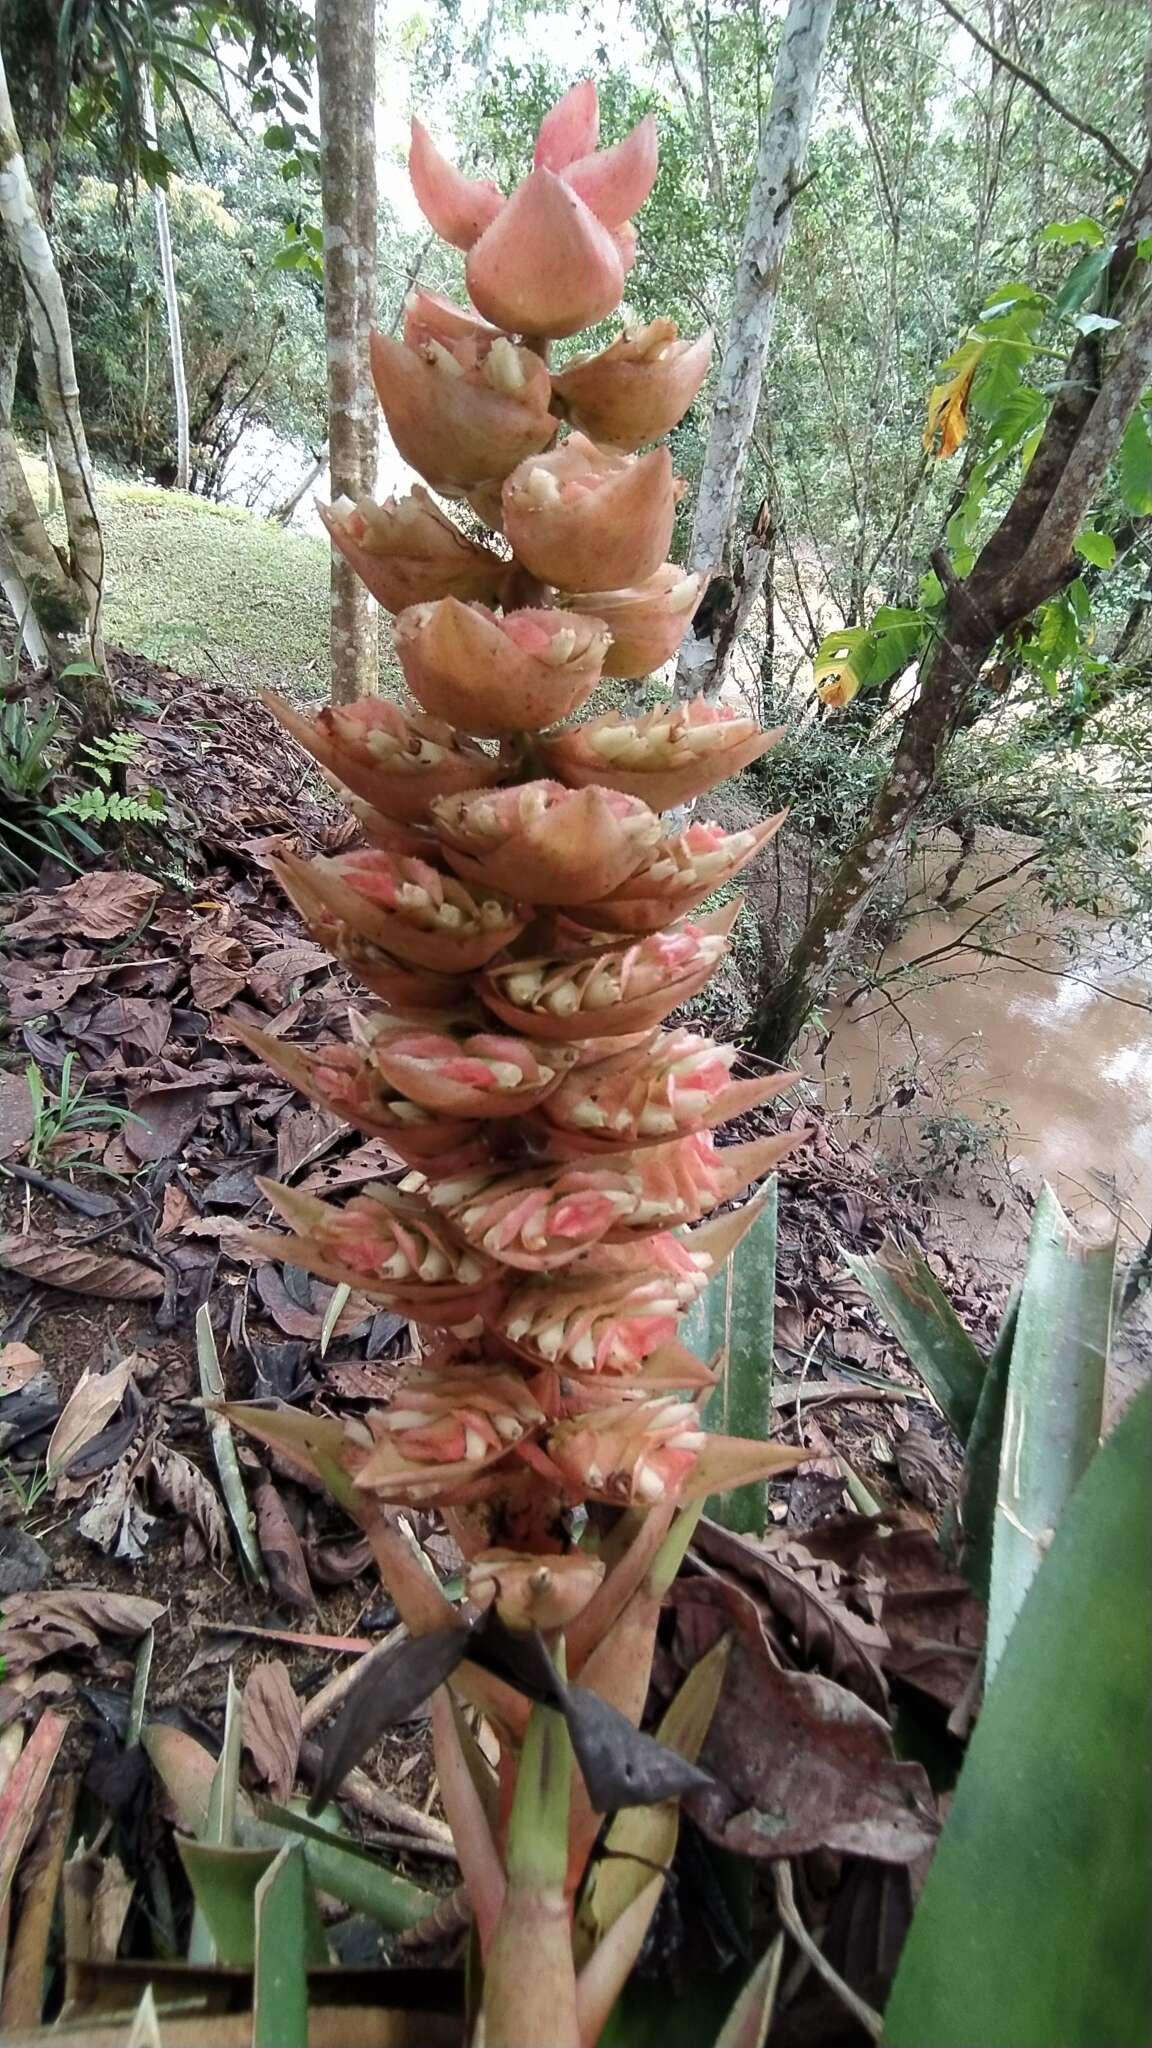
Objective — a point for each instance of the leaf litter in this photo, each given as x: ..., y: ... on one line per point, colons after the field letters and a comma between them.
x: 833, y: 1616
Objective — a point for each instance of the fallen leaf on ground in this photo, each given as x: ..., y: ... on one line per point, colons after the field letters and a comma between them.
x: 893, y: 1572
x: 93, y: 1402
x: 176, y: 1206
x: 41, y: 1625
x: 117, y: 1521
x: 214, y: 985
x: 182, y: 1484
x: 20, y: 1798
x: 18, y: 1364
x: 24, y: 1563
x: 300, y: 1135
x: 281, y: 1549
x: 17, y: 1114
x: 819, y: 1631
x: 28, y: 1410
x: 78, y: 1269
x: 103, y: 905
x: 800, y: 1762
x: 167, y: 1117
x: 141, y: 1022
x: 272, y: 978
x: 271, y: 1724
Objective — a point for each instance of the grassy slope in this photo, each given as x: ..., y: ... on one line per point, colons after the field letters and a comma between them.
x: 210, y: 590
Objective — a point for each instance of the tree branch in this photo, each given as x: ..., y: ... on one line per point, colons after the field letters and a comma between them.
x: 1038, y: 86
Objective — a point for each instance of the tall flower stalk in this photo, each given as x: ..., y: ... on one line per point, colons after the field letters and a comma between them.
x: 527, y: 921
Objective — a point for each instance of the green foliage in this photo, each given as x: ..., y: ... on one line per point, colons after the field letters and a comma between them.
x: 105, y: 805
x: 253, y: 333
x: 65, y: 1112
x: 30, y: 828
x: 1053, y: 1799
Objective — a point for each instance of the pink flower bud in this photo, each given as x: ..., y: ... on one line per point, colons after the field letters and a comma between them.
x: 466, y: 1074
x: 407, y: 551
x: 388, y: 757
x: 571, y: 129
x: 636, y: 389
x: 538, y: 1219
x: 649, y: 1451
x: 647, y: 623
x: 458, y: 208
x: 632, y: 1456
x: 345, y: 1080
x: 684, y: 1180
x: 422, y: 917
x: 679, y: 1085
x: 444, y: 1429
x: 677, y: 875
x: 492, y: 676
x: 615, y: 182
x: 666, y: 756
x: 546, y: 265
x: 388, y: 1245
x: 623, y: 988
x: 594, y: 1322
x: 539, y: 839
x: 464, y: 410
x: 586, y: 518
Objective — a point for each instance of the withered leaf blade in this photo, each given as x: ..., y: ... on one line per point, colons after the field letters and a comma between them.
x: 821, y: 1634
x: 103, y: 905
x: 271, y: 1723
x: 620, y: 1765
x: 182, y: 1484
x: 281, y: 1549
x: 79, y: 1269
x: 799, y: 1762
x: 93, y: 1401
x: 391, y: 1691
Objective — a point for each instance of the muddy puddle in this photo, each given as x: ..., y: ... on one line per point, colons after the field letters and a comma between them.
x: 1011, y: 1070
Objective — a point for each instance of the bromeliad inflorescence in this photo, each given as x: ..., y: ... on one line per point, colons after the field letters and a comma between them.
x: 528, y: 921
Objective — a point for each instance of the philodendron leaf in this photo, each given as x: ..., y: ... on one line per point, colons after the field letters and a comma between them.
x: 1032, y: 1931
x: 909, y: 1297
x: 1054, y: 1406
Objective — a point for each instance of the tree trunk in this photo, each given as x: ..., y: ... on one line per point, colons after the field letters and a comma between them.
x: 66, y: 605
x: 171, y: 303
x: 1027, y: 560
x: 766, y: 231
x: 282, y: 512
x: 346, y: 70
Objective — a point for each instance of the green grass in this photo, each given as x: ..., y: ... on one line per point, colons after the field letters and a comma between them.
x: 209, y: 590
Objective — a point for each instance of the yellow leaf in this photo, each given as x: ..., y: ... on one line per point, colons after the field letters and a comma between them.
x: 836, y: 684
x: 947, y: 422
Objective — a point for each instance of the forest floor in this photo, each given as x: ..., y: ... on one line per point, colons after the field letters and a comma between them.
x: 111, y: 1239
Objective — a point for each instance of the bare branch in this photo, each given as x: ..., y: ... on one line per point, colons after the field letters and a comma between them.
x: 1038, y: 86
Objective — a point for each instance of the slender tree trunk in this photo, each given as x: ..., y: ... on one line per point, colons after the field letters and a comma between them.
x: 1026, y: 561
x: 171, y: 303
x: 20, y: 604
x: 66, y: 605
x: 769, y: 223
x: 282, y: 512
x: 345, y: 68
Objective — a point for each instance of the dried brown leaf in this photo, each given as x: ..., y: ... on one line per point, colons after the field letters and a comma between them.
x: 18, y: 1364
x: 103, y: 905
x: 166, y: 1118
x: 822, y: 1637
x: 301, y: 1135
x: 800, y: 1762
x: 79, y: 1269
x: 213, y: 985
x: 41, y: 1625
x: 272, y: 1727
x: 17, y: 1114
x: 281, y: 1549
x: 93, y: 1401
x: 182, y: 1484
